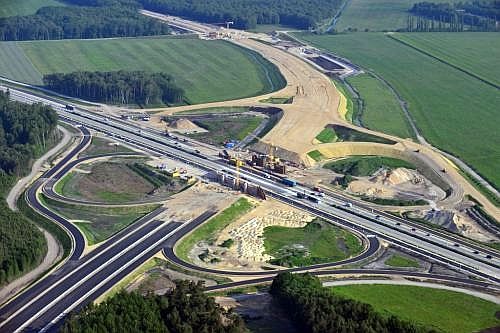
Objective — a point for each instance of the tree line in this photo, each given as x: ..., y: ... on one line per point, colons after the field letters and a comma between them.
x: 317, y: 309
x: 471, y: 16
x: 120, y: 87
x: 97, y: 19
x: 184, y: 309
x: 247, y: 14
x: 25, y: 132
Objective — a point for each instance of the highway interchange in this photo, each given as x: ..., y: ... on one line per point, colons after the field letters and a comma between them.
x: 82, y: 279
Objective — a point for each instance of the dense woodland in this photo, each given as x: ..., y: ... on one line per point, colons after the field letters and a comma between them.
x: 476, y: 16
x: 119, y: 87
x: 246, y: 14
x: 317, y: 309
x: 25, y: 132
x: 98, y: 19
x: 185, y: 309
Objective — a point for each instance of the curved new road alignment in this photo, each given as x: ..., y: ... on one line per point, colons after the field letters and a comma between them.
x: 80, y: 281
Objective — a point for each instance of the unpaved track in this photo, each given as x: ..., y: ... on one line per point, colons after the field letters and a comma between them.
x: 318, y: 103
x: 54, y: 251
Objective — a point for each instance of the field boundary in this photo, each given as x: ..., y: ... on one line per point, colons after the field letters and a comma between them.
x: 416, y: 48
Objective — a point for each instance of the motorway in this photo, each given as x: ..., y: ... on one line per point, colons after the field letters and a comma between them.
x: 82, y: 279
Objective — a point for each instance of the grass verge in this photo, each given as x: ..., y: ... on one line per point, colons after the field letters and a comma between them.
x: 315, y: 155
x: 363, y: 166
x: 210, y: 228
x: 327, y: 135
x: 98, y: 223
x: 397, y: 260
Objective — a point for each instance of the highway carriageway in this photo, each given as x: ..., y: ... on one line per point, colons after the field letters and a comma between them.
x: 161, y: 144
x: 434, y: 247
x: 440, y: 249
x: 79, y: 282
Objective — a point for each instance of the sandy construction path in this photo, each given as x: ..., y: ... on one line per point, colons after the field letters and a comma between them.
x: 316, y: 104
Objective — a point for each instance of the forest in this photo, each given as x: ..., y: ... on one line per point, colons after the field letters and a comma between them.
x: 25, y: 132
x: 317, y: 309
x: 98, y: 19
x: 476, y: 15
x: 246, y: 14
x: 184, y: 309
x: 120, y: 87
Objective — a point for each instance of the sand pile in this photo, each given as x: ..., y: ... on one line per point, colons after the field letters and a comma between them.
x: 400, y: 183
x: 248, y: 236
x: 183, y: 124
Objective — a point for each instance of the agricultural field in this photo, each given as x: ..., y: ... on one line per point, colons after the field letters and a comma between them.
x: 472, y: 52
x: 25, y: 7
x: 380, y: 104
x: 362, y: 166
x: 98, y: 223
x: 317, y: 242
x: 207, y: 70
x: 376, y: 15
x: 222, y: 129
x: 446, y: 311
x: 454, y: 111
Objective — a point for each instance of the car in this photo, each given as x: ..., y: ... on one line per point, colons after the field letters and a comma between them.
x: 398, y: 223
x: 488, y: 256
x: 427, y: 234
x: 476, y: 252
x: 377, y: 217
x: 413, y: 229
x: 456, y: 245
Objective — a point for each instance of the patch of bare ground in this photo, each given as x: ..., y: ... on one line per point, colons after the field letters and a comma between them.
x: 260, y: 312
x: 159, y: 280
x: 400, y: 183
x: 456, y: 221
x: 246, y: 246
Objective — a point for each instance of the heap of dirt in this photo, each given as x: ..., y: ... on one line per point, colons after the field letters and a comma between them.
x: 183, y: 124
x: 456, y: 221
x: 399, y: 183
x: 247, y: 251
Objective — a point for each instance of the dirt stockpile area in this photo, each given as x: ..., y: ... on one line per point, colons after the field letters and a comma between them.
x: 400, y: 183
x: 247, y: 251
x: 455, y: 221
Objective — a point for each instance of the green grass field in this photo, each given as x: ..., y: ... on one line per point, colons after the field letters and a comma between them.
x: 100, y: 222
x: 207, y: 70
x: 376, y: 15
x: 454, y: 111
x: 475, y: 53
x: 362, y: 166
x: 327, y: 135
x: 315, y: 155
x: 379, y: 105
x: 444, y: 310
x: 215, y: 110
x: 222, y: 129
x: 397, y: 260
x: 24, y: 7
x: 209, y: 229
x: 315, y: 243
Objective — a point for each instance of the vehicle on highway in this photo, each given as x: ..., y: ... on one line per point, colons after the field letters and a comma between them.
x: 69, y: 107
x: 289, y: 182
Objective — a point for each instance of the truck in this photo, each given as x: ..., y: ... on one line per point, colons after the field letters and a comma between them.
x: 301, y: 195
x: 69, y: 107
x: 289, y: 182
x: 313, y: 199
